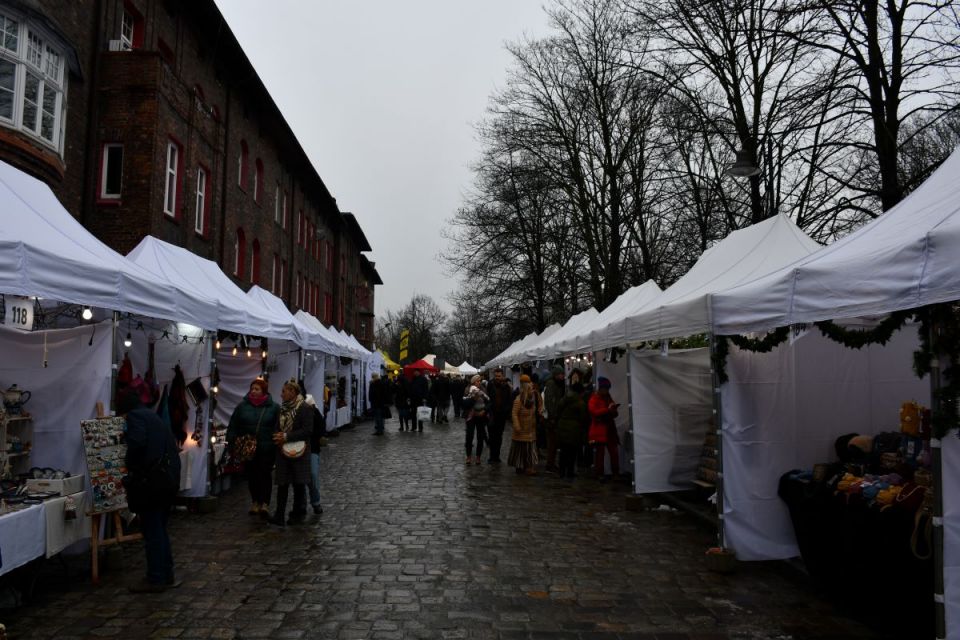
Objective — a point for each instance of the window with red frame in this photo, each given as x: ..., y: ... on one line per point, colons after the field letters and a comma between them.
x: 111, y: 172
x: 283, y: 277
x: 201, y: 221
x: 327, y: 308
x: 300, y: 228
x: 131, y: 28
x: 255, y: 262
x: 243, y: 163
x: 173, y: 179
x: 275, y: 274
x: 239, y: 252
x: 258, y: 180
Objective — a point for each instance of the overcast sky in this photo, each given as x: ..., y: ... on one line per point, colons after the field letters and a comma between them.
x: 383, y: 96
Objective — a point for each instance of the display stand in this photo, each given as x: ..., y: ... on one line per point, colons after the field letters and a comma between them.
x: 106, y: 449
x: 95, y: 542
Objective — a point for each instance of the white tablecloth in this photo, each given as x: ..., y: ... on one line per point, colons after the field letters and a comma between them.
x: 186, y: 463
x: 22, y: 537
x: 62, y: 533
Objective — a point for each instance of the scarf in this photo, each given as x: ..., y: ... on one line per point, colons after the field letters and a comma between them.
x: 257, y: 402
x: 288, y: 411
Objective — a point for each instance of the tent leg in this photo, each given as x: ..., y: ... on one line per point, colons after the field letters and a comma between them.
x: 633, y: 440
x: 114, y: 355
x: 718, y: 429
x: 937, y: 464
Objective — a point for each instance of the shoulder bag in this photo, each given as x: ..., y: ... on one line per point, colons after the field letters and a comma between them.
x: 245, y: 446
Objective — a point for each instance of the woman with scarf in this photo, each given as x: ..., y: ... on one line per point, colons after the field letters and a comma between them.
x: 254, y: 421
x: 296, y: 425
x: 526, y: 410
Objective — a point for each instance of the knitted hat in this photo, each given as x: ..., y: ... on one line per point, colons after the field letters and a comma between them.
x: 525, y: 378
x: 603, y: 383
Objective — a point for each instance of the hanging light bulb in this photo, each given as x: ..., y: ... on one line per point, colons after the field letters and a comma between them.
x: 128, y: 341
x: 213, y: 439
x: 249, y: 352
x: 263, y: 354
x: 217, y: 345
x: 87, y: 313
x: 215, y: 389
x: 234, y: 352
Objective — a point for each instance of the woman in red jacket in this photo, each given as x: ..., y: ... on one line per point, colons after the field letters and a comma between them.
x: 603, y: 429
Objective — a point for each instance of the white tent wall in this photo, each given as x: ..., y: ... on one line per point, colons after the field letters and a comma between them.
x: 66, y: 391
x: 783, y: 410
x: 951, y: 533
x: 194, y: 362
x: 672, y: 407
x: 314, y: 366
x: 283, y: 361
x: 236, y: 373
x: 620, y: 392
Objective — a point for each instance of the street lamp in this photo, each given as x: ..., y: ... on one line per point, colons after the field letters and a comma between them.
x: 744, y: 166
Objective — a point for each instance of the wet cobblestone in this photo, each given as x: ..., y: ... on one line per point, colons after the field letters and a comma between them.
x: 414, y: 544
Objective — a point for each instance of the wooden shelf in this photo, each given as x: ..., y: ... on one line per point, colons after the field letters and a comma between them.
x: 17, y: 418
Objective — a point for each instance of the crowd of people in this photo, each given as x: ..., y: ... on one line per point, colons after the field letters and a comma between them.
x: 565, y: 421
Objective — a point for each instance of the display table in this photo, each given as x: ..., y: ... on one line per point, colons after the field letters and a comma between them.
x: 22, y: 537
x: 61, y: 533
x: 861, y: 554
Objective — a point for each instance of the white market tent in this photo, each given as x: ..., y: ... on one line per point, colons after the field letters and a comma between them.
x: 235, y: 311
x: 906, y: 258
x: 744, y: 255
x: 593, y: 334
x: 343, y: 347
x: 467, y: 369
x: 307, y: 337
x: 670, y: 396
x: 45, y: 252
x: 512, y: 354
x: 548, y: 347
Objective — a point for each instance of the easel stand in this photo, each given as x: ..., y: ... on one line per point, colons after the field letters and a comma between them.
x: 96, y: 542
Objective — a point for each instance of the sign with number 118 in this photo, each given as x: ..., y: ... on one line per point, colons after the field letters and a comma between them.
x: 19, y: 313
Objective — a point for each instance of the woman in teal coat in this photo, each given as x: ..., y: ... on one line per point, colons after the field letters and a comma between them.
x: 257, y: 416
x: 572, y: 421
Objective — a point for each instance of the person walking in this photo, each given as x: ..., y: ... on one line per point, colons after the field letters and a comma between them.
x: 474, y: 403
x: 458, y: 388
x: 152, y: 482
x: 572, y: 419
x: 253, y: 423
x: 554, y: 392
x: 527, y: 409
x: 296, y: 425
x: 401, y: 399
x: 603, y: 429
x: 441, y: 398
x: 317, y: 436
x: 419, y: 390
x: 500, y: 407
x: 379, y: 395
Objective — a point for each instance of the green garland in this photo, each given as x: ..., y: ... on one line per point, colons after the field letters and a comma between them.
x: 859, y: 338
x: 940, y: 321
x: 939, y: 333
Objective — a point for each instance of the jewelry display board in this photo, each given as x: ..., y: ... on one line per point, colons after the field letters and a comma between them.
x: 104, y: 442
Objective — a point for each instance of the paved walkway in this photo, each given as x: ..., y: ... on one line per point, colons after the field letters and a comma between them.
x: 413, y: 544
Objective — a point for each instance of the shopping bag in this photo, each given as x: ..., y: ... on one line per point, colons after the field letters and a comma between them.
x: 423, y: 414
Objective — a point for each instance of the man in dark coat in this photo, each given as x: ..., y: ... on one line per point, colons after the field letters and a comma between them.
x: 379, y: 395
x: 152, y: 482
x: 419, y: 389
x: 441, y: 398
x: 499, y: 408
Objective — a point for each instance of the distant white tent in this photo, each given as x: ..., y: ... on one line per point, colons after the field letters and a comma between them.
x: 548, y: 347
x: 467, y: 369
x: 593, y: 336
x: 512, y: 355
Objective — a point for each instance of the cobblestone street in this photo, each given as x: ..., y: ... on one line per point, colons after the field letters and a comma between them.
x: 414, y: 544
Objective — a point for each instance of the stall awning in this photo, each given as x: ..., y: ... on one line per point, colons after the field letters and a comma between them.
x: 308, y: 337
x: 45, y: 252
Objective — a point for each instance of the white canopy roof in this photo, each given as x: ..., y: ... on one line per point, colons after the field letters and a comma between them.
x: 342, y: 345
x: 467, y: 369
x: 908, y: 257
x: 548, y: 347
x: 744, y: 255
x: 510, y: 355
x: 45, y: 252
x: 362, y: 351
x: 234, y: 310
x: 308, y: 337
x: 600, y: 332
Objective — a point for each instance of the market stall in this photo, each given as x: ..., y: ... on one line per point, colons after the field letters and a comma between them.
x: 905, y: 259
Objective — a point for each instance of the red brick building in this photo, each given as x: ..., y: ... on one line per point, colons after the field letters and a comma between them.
x: 146, y: 117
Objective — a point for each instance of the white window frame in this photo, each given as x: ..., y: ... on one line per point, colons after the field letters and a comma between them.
x: 201, y: 201
x: 283, y: 273
x: 104, y: 166
x: 126, y: 41
x: 257, y: 177
x: 273, y: 274
x: 170, y: 179
x: 44, y: 63
x: 276, y: 204
x: 284, y: 224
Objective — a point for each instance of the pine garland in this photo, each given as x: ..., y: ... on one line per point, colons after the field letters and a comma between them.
x: 758, y: 345
x: 942, y: 322
x: 859, y: 338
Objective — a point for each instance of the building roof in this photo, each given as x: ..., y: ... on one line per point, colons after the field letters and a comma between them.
x: 353, y: 226
x: 370, y: 270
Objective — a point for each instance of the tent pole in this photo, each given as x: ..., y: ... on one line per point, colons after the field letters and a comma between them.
x: 633, y: 447
x: 210, y: 337
x: 300, y: 367
x: 114, y: 365
x: 718, y: 430
x: 937, y: 464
